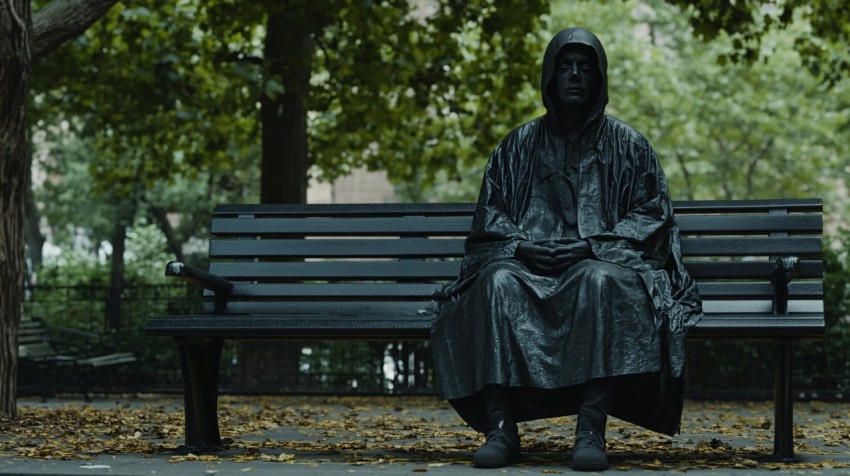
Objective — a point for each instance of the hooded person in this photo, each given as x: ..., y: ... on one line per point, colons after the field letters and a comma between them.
x: 572, y: 297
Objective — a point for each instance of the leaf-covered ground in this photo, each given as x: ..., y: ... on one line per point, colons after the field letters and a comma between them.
x: 423, y: 431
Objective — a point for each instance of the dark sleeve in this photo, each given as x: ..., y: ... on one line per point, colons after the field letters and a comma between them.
x: 494, y: 233
x: 646, y: 235
x: 641, y: 234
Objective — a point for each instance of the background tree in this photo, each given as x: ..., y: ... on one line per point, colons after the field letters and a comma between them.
x: 388, y: 85
x: 25, y: 37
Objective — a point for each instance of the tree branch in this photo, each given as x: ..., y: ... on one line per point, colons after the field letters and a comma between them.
x: 174, y: 244
x: 61, y: 20
x: 686, y: 174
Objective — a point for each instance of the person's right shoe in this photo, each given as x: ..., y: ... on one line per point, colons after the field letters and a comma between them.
x: 502, y: 447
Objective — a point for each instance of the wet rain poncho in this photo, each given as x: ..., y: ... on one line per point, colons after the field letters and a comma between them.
x: 621, y: 315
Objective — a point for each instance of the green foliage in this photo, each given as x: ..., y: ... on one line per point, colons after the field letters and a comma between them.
x: 166, y: 90
x: 75, y: 265
x: 414, y: 92
x: 822, y: 45
x: 148, y: 90
x: 147, y: 119
x: 73, y: 268
x: 836, y: 280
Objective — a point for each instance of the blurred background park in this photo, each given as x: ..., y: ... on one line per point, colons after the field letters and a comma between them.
x: 161, y: 110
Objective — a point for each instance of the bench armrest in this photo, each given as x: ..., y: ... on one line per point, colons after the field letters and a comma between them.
x: 220, y: 286
x: 786, y: 268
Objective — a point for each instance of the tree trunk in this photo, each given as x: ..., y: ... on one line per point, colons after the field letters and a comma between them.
x: 287, y: 59
x: 116, y: 275
x: 24, y: 37
x: 175, y: 244
x: 15, y: 67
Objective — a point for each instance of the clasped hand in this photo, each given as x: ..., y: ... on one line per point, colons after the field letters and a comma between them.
x: 553, y: 256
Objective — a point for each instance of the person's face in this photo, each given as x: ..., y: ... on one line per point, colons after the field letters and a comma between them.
x: 577, y: 77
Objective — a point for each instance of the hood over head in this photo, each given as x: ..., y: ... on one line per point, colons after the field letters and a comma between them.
x: 566, y: 37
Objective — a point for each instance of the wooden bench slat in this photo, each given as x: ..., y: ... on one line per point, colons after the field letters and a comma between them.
x: 789, y: 246
x: 334, y: 291
x: 460, y: 225
x: 266, y: 326
x: 358, y: 248
x: 383, y: 226
x: 413, y: 308
x: 35, y: 350
x: 705, y: 270
x: 749, y: 224
x: 708, y: 290
x: 467, y: 208
x: 747, y: 290
x: 764, y: 327
x: 354, y: 248
x: 421, y: 247
x: 764, y: 307
x: 806, y: 205
x: 447, y: 270
x: 354, y: 270
x: 406, y: 327
x: 328, y: 307
x: 340, y: 209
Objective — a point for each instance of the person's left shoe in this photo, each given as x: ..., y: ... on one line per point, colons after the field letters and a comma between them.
x: 589, y: 448
x: 502, y: 447
x: 589, y: 457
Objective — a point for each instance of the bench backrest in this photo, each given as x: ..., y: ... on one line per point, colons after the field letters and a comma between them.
x: 388, y: 259
x: 33, y: 341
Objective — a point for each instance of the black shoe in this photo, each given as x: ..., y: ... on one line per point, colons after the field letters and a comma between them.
x: 589, y: 458
x: 502, y: 446
x: 589, y: 449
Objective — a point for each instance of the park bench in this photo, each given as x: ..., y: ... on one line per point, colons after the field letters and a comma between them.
x: 41, y: 362
x: 370, y: 271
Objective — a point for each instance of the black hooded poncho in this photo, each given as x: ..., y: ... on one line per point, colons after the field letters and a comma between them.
x: 622, y: 314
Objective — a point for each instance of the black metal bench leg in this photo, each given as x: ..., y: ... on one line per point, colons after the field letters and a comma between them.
x: 200, y: 359
x: 783, y: 395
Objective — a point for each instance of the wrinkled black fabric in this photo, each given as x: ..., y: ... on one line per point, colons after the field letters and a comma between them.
x: 622, y: 314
